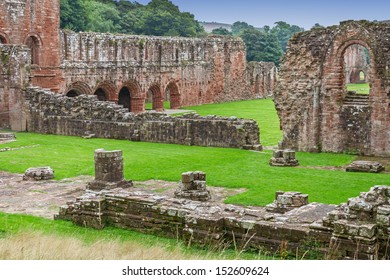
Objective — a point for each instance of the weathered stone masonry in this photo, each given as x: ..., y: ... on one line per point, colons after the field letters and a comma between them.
x: 357, y: 230
x: 14, y: 75
x: 50, y: 113
x: 315, y: 112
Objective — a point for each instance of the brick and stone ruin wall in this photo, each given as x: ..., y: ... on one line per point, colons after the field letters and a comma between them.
x: 262, y: 77
x: 84, y: 115
x: 315, y: 109
x: 133, y: 69
x: 358, y: 229
x: 14, y: 73
x: 128, y: 70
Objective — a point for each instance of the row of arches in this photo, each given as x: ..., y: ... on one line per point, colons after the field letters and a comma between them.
x: 131, y: 96
x: 32, y: 41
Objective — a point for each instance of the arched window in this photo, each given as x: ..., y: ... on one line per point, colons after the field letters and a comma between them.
x: 34, y: 45
x: 356, y: 67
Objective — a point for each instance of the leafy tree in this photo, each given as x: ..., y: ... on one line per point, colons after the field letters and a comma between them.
x: 221, y: 31
x: 240, y: 26
x: 101, y: 17
x: 73, y: 15
x: 284, y: 32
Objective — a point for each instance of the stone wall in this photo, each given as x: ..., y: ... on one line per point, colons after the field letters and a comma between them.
x: 14, y: 75
x: 311, y: 94
x: 35, y: 24
x: 262, y: 77
x: 187, y: 71
x: 310, y: 229
x: 51, y: 113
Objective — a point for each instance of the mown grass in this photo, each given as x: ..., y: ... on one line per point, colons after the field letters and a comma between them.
x: 149, y: 105
x: 261, y: 110
x: 359, y: 88
x: 231, y: 168
x: 28, y: 237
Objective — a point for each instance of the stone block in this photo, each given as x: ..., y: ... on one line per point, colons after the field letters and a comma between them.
x: 368, y: 230
x: 39, y: 173
x: 283, y: 158
x: 286, y: 201
x: 193, y: 186
x: 365, y: 166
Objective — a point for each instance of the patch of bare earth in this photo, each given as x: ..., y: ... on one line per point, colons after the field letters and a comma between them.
x: 43, y: 198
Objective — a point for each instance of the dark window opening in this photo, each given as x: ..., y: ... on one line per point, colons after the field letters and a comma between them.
x: 101, y: 94
x: 124, y: 98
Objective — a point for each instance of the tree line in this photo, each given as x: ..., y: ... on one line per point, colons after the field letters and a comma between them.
x: 163, y: 18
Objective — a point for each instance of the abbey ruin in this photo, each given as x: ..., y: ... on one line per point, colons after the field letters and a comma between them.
x: 316, y: 111
x: 56, y: 81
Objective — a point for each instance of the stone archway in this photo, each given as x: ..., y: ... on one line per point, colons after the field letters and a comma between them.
x: 124, y: 98
x: 154, y: 93
x: 101, y: 94
x: 172, y: 95
x: 106, y: 91
x: 78, y: 88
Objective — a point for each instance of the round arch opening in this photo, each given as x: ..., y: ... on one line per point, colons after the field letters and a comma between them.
x: 172, y: 96
x: 154, y: 99
x: 101, y: 94
x: 34, y: 45
x: 124, y: 98
x: 72, y: 93
x: 356, y: 67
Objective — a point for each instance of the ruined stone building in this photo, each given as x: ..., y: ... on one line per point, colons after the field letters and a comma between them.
x: 126, y: 69
x: 316, y: 111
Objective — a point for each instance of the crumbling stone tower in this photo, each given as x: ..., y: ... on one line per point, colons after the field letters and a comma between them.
x: 35, y: 24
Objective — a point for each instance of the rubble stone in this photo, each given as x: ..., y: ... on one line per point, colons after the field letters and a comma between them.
x: 365, y: 166
x: 39, y: 173
x: 287, y: 201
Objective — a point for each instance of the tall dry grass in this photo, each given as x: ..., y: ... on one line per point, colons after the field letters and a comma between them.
x: 38, y: 246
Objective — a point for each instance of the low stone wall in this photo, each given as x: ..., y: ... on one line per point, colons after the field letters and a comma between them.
x: 206, y: 223
x: 357, y: 230
x: 51, y: 113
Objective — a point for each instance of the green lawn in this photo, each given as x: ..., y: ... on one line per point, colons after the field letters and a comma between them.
x: 231, y: 168
x: 149, y: 105
x: 359, y: 88
x: 261, y: 110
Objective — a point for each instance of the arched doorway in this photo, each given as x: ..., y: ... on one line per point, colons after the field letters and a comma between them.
x: 172, y: 95
x: 124, y: 98
x: 101, y: 94
x: 34, y: 45
x: 154, y: 95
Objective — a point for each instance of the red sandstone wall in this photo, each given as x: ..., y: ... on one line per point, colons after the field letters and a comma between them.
x: 310, y: 97
x: 203, y: 70
x: 20, y: 19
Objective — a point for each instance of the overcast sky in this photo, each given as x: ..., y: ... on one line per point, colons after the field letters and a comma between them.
x: 304, y: 13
